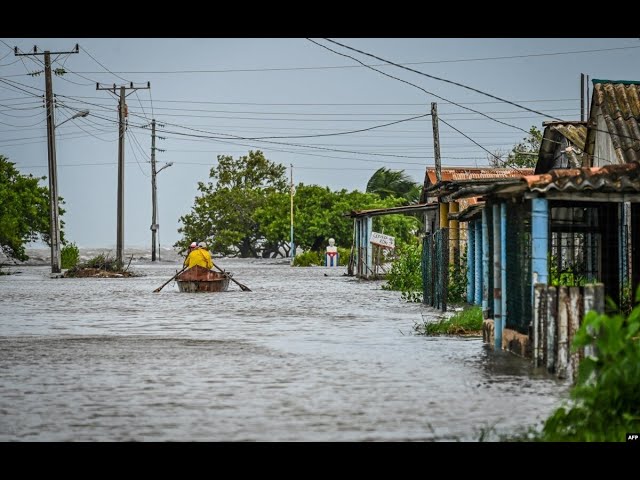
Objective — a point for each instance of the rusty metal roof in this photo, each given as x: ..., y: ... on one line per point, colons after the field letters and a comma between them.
x: 619, y: 103
x: 454, y: 174
x: 418, y: 207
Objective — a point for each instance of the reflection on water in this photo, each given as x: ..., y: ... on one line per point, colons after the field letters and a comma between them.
x: 308, y: 355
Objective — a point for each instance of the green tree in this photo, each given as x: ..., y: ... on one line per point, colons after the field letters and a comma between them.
x: 24, y: 210
x: 524, y: 154
x: 223, y: 214
x: 394, y: 183
x: 320, y: 214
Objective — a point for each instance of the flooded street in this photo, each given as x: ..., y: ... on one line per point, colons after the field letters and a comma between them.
x: 308, y: 355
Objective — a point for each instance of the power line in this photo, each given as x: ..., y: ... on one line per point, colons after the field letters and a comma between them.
x: 490, y: 153
x: 340, y: 104
x: 414, y: 85
x: 334, y: 67
x: 442, y: 79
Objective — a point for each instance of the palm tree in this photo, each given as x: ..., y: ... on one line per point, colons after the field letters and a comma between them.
x: 394, y: 183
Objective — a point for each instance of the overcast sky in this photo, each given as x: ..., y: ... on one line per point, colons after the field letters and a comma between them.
x: 288, y: 87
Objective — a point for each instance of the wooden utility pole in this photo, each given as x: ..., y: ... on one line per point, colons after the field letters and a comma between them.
x: 293, y: 247
x: 154, y: 198
x: 155, y: 226
x: 54, y: 212
x: 436, y: 140
x: 122, y: 114
x: 582, y: 97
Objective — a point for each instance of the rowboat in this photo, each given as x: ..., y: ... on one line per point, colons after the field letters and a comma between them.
x: 200, y: 279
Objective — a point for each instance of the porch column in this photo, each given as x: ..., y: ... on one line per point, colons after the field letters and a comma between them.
x: 503, y: 261
x: 454, y: 236
x: 471, y: 257
x: 486, y: 218
x: 478, y: 263
x: 368, y: 228
x: 540, y: 241
x: 496, y: 295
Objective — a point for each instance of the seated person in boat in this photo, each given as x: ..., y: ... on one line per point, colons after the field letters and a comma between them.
x: 200, y: 256
x: 192, y: 247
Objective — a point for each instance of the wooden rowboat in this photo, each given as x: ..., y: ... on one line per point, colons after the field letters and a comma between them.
x: 200, y: 279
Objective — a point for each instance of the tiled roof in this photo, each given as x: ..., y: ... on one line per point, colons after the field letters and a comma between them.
x: 619, y: 102
x: 611, y: 178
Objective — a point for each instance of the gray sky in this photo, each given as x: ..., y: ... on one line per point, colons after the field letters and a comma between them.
x: 276, y: 87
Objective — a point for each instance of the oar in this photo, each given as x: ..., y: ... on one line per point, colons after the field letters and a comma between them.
x: 243, y: 287
x: 165, y: 284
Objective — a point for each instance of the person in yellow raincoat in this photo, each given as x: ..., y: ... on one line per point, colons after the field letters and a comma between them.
x: 200, y: 256
x: 192, y: 247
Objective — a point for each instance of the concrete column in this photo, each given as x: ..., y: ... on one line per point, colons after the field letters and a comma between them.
x: 540, y: 241
x: 478, y: 263
x: 496, y: 295
x: 471, y: 257
x: 503, y: 261
x: 486, y: 218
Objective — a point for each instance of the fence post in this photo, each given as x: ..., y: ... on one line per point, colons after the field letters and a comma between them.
x: 539, y: 315
x: 445, y: 267
x: 563, y: 333
x: 552, y: 322
x: 574, y: 323
x: 593, y: 300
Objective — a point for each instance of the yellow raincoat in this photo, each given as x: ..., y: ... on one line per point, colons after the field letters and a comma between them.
x: 199, y: 256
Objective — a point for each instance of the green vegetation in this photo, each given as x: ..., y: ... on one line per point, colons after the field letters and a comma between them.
x: 394, y: 183
x: 308, y: 259
x: 606, y: 397
x: 523, y: 154
x: 69, y: 255
x: 569, y: 276
x: 100, y: 266
x: 406, y: 273
x: 245, y: 210
x: 466, y: 322
x: 24, y: 211
x: 457, y: 292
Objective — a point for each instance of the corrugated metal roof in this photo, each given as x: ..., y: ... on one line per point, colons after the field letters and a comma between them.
x: 619, y: 102
x: 418, y: 207
x: 568, y: 138
x: 576, y: 134
x: 453, y: 174
x: 612, y: 178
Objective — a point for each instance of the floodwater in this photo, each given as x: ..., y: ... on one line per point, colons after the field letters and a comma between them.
x: 308, y: 355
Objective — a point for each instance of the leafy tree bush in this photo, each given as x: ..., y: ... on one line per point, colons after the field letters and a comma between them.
x: 308, y: 259
x: 606, y: 397
x: 70, y: 255
x: 457, y: 292
x: 24, y: 211
x: 406, y: 272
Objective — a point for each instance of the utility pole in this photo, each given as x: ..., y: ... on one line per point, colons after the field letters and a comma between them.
x: 54, y: 212
x: 436, y: 139
x: 588, y: 101
x: 154, y: 198
x: 293, y: 247
x: 154, y: 192
x: 582, y: 97
x: 122, y: 114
